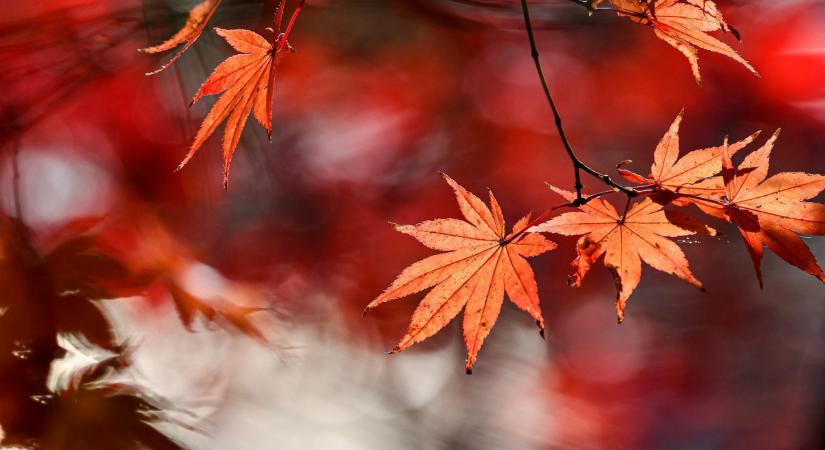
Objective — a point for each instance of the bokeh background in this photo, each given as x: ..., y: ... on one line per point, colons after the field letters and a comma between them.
x: 380, y: 96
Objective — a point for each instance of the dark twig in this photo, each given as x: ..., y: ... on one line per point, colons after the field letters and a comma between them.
x: 22, y: 231
x: 578, y: 165
x: 546, y: 214
x: 586, y: 3
x: 15, y: 168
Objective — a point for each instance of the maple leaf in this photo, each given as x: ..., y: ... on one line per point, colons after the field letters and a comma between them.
x: 481, y: 263
x: 769, y: 212
x: 247, y: 82
x: 690, y: 174
x: 625, y: 241
x: 236, y: 311
x: 196, y: 22
x: 155, y: 257
x: 683, y: 24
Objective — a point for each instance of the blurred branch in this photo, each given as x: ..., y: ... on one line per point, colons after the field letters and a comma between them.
x: 586, y: 3
x: 15, y: 168
x: 578, y: 165
x: 50, y: 56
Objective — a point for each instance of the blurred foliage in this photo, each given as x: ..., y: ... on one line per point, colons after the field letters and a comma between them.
x: 379, y: 97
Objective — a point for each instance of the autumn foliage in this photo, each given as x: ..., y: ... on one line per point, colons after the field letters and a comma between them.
x: 60, y: 283
x: 684, y: 24
x: 768, y: 213
x: 483, y: 262
x: 247, y: 80
x: 193, y: 28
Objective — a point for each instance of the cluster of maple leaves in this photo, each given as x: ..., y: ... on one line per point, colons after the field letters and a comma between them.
x: 481, y: 261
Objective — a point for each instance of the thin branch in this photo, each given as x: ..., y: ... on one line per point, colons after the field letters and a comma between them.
x: 15, y: 168
x: 578, y: 165
x: 586, y: 3
x: 550, y: 211
x: 639, y: 191
x: 19, y: 224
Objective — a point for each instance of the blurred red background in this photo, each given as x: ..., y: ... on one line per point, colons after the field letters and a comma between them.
x: 379, y: 97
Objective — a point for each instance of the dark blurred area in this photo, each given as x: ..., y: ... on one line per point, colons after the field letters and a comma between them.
x: 141, y: 308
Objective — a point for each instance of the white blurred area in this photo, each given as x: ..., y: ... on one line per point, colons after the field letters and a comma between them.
x: 354, y: 143
x: 809, y: 41
x: 54, y: 186
x: 322, y: 387
x: 326, y: 384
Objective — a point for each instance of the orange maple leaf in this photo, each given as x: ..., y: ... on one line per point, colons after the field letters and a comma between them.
x: 690, y: 174
x: 247, y: 81
x: 481, y: 264
x: 684, y: 24
x: 768, y: 211
x: 196, y: 22
x: 625, y: 241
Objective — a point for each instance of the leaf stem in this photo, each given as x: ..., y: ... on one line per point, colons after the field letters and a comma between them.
x: 698, y: 197
x: 548, y: 212
x: 626, y: 208
x: 578, y: 165
x: 295, y: 13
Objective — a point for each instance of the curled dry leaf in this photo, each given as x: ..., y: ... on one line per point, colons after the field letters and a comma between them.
x: 481, y: 263
x: 684, y: 24
x: 625, y: 241
x: 196, y: 22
